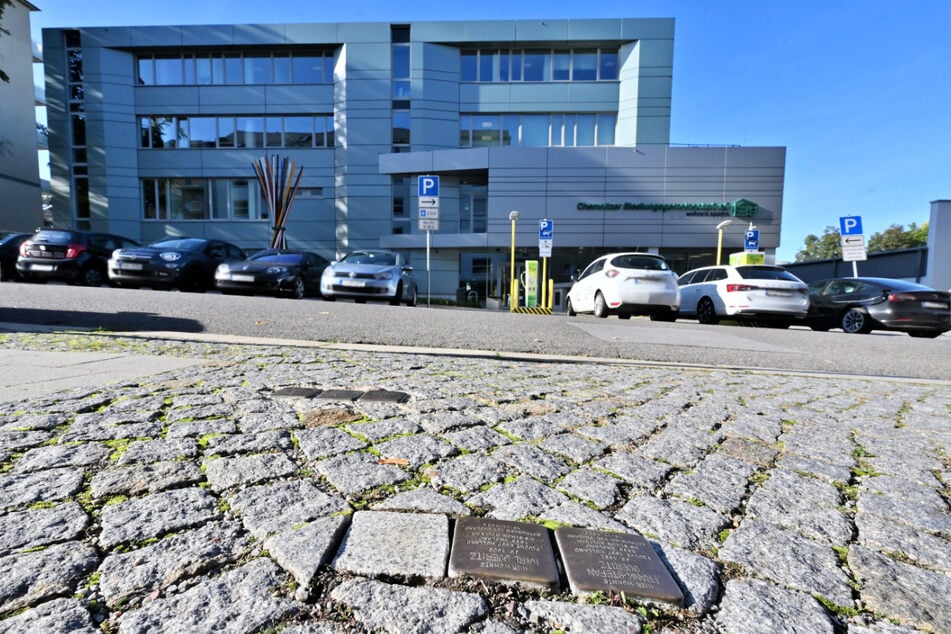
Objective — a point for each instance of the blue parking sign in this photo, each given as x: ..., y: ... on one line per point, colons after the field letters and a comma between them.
x: 546, y: 229
x: 428, y: 186
x: 850, y: 225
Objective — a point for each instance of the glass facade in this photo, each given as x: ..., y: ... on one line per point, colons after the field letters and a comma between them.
x: 538, y: 64
x: 226, y: 131
x: 202, y: 199
x: 217, y: 67
x: 536, y: 130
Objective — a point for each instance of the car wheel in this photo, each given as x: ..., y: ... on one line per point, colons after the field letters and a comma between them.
x: 923, y: 334
x: 90, y: 276
x: 600, y: 306
x: 413, y: 298
x: 855, y: 321
x: 395, y: 300
x: 707, y: 312
x: 569, y: 309
x: 299, y: 291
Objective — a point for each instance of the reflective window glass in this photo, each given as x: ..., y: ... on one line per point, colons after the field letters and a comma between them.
x: 298, y: 131
x: 465, y: 130
x: 146, y: 71
x: 202, y: 131
x: 217, y: 70
x: 306, y: 69
x: 282, y: 69
x: 181, y: 132
x: 608, y: 66
x: 189, y: 70
x: 467, y: 66
x: 606, y: 126
x: 584, y: 65
x: 561, y: 66
x: 272, y: 137
x: 168, y: 70
x: 485, y: 130
x: 233, y: 73
x: 226, y: 132
x: 584, y: 129
x: 257, y: 69
x: 74, y: 60
x: 188, y: 198
x: 79, y: 129
x: 401, y: 127
x: 249, y: 131
x: 149, y: 199
x: 510, y: 129
x: 203, y: 70
x: 560, y: 131
x: 535, y: 65
x: 400, y: 62
x: 488, y: 65
x: 329, y: 126
x: 535, y: 130
x: 401, y: 89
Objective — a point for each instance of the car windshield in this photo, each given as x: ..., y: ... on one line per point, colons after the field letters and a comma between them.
x: 278, y: 258
x: 377, y: 258
x: 634, y: 261
x: 55, y: 237
x: 180, y: 244
x: 765, y: 273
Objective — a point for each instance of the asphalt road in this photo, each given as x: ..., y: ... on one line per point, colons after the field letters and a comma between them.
x: 683, y: 342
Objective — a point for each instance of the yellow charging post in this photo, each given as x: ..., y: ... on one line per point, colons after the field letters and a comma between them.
x: 513, y: 284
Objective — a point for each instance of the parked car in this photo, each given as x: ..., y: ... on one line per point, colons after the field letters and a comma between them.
x: 751, y: 294
x: 370, y: 274
x: 626, y: 284
x: 273, y: 271
x: 188, y: 264
x: 10, y: 242
x: 863, y: 304
x: 77, y: 257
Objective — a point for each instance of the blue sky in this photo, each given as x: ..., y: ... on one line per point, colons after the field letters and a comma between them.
x: 858, y: 91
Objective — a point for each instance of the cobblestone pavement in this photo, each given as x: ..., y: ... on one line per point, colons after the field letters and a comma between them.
x: 216, y: 499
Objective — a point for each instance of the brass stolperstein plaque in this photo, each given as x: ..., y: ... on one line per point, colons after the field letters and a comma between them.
x: 503, y: 550
x: 619, y: 562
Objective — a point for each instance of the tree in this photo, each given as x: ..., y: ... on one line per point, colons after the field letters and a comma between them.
x: 3, y: 5
x: 895, y: 238
x: 825, y: 247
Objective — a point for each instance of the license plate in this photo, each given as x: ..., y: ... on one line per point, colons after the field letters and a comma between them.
x: 41, y: 267
x: 242, y: 278
x: 778, y: 293
x: 129, y: 266
x: 353, y: 283
x: 937, y: 305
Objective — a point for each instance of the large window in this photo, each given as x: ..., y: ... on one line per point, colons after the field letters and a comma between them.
x: 206, y: 68
x: 519, y: 65
x: 243, y: 131
x: 536, y: 130
x: 202, y: 199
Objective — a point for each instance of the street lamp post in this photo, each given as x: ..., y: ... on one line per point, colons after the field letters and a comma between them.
x: 720, y: 228
x: 513, y: 292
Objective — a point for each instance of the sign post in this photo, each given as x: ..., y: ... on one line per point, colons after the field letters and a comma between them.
x: 428, y: 198
x: 853, y: 241
x: 546, y: 234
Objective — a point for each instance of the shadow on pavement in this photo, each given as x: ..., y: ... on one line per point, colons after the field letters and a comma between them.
x: 120, y: 321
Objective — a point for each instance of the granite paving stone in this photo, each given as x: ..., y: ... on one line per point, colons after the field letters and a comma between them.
x: 30, y: 422
x: 929, y: 518
x: 533, y: 461
x: 265, y: 441
x: 918, y: 546
x: 683, y: 447
x: 469, y: 472
x: 911, y: 595
x: 354, y: 473
x: 516, y: 500
x: 384, y: 543
x: 155, y: 515
x: 240, y: 600
x: 146, y: 478
x: 673, y: 521
x: 52, y: 456
x: 257, y: 422
x: 171, y: 560
x: 751, y: 451
x: 418, y: 449
x: 718, y: 481
x: 571, y: 513
x: 326, y: 442
x: 635, y: 469
x: 788, y: 559
x: 802, y: 504
x: 146, y: 451
x: 34, y: 576
x: 302, y: 550
x: 423, y: 500
x: 477, y: 439
x: 573, y: 447
x: 225, y: 473
x: 381, y: 430
x: 572, y: 617
x: 49, y: 485
x: 697, y: 576
x: 59, y: 615
x: 821, y: 469
x: 273, y: 508
x: 751, y: 606
x: 590, y: 485
x: 37, y: 527
x: 197, y: 428
x: 386, y: 607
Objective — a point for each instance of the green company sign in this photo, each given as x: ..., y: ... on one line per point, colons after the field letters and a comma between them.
x: 742, y: 208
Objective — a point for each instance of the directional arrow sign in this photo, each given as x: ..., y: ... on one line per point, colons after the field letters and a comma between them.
x: 428, y: 202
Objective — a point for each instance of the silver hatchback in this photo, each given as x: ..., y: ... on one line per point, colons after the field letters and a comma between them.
x: 370, y: 274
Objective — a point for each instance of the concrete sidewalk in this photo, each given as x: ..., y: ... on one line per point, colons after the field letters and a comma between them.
x: 244, y: 487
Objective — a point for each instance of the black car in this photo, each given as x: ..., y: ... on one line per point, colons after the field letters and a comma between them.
x: 77, y: 257
x: 863, y: 304
x: 274, y: 271
x: 187, y: 264
x: 10, y: 242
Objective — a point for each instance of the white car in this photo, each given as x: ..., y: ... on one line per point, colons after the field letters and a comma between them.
x: 751, y: 294
x: 372, y: 274
x: 626, y: 284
